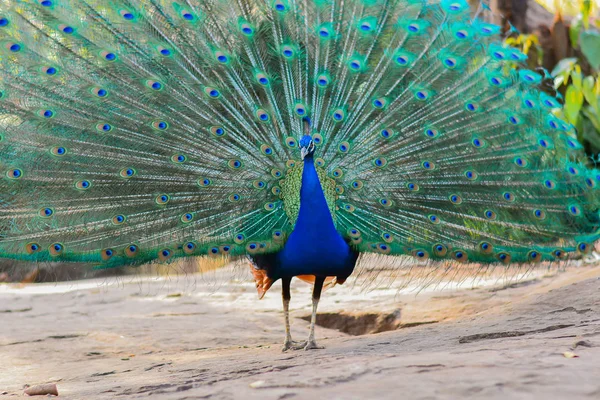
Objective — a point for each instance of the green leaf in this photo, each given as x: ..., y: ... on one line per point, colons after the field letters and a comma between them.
x: 576, y: 76
x: 573, y: 103
x: 590, y: 47
x: 588, y: 91
x: 564, y: 66
x: 574, y: 30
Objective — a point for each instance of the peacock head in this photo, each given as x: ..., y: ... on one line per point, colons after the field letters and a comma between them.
x: 307, y: 146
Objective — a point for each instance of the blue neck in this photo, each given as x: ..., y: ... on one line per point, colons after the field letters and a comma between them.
x: 314, y: 216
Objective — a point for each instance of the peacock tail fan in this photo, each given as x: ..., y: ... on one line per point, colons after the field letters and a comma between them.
x: 137, y: 131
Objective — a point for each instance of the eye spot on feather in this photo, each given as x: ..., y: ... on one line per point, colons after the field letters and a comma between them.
x: 504, y: 257
x: 221, y: 57
x: 477, y: 143
x: 257, y: 184
x: 269, y: 206
x: 388, y: 237
x: 100, y: 92
x: 491, y: 215
x: 132, y: 250
x: 559, y: 253
x: 290, y: 142
x: 14, y: 173
x: 280, y: 6
x: 323, y: 80
x: 162, y: 199
x: 160, y: 125
x: 384, y: 248
x: 83, y: 184
x: 534, y: 256
x: 549, y: 184
x: 354, y: 233
x: 344, y: 147
x: 573, y: 170
x: 164, y: 51
x: 178, y: 158
x: 262, y: 115
x: 164, y: 254
x: 486, y: 247
x: 440, y: 250
x: 471, y: 175
x: 520, y: 161
x: 379, y: 103
x: 211, y: 92
x: 455, y: 199
x: 49, y: 71
x: 187, y: 217
x: 32, y: 248
x: 590, y: 183
x: 14, y: 47
x: 420, y: 254
x: 422, y: 95
x: 434, y: 219
x: 278, y: 235
x: 357, y: 184
x: 58, y: 151
x: 154, y: 85
x: 189, y: 248
x: 108, y: 56
x: 3, y: 22
x: 386, y: 133
x: 276, y: 190
x: 276, y: 173
x: 104, y: 127
x: 349, y: 207
x: 320, y: 162
x: 46, y: 113
x: 288, y: 52
x: 428, y: 165
x: 380, y: 162
x: 574, y: 210
x: 460, y: 255
x: 127, y: 15
x: 413, y: 187
x: 529, y: 103
x: 386, y: 202
x: 431, y: 132
x: 46, y: 212
x: 118, y: 219
x: 508, y: 196
x: 234, y: 198
x: 472, y: 107
x: 203, y: 182
x: 56, y: 249
x: 584, y: 248
x: 107, y: 254
x: 338, y: 115
x: 539, y: 214
x: 234, y: 164
x: 317, y: 139
x: 337, y: 173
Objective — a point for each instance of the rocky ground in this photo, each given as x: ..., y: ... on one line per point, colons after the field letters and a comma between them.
x: 179, y: 338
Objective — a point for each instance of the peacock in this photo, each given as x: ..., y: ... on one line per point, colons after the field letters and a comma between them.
x: 299, y: 134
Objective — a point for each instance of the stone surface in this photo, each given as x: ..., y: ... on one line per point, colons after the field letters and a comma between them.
x: 177, y: 338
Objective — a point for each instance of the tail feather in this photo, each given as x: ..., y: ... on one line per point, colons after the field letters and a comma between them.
x: 138, y: 131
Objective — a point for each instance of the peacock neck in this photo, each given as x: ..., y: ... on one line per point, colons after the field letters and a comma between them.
x: 314, y: 214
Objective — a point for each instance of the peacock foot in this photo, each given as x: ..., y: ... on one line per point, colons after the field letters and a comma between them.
x: 293, y: 345
x: 311, y: 344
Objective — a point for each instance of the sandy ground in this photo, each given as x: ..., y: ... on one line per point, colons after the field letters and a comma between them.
x: 177, y: 338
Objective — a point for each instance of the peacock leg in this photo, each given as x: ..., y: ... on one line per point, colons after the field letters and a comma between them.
x: 288, y: 344
x: 311, y: 343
